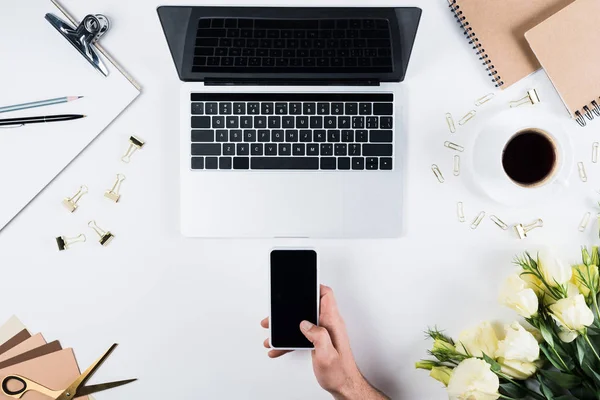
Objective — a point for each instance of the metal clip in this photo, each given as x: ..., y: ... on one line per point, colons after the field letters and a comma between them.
x: 582, y: 173
x: 113, y: 193
x: 71, y: 202
x: 460, y: 213
x: 523, y: 230
x: 134, y: 145
x: 477, y: 220
x: 499, y: 222
x: 64, y: 242
x: 454, y: 146
x: 450, y: 122
x: 456, y: 165
x: 531, y: 98
x: 105, y: 236
x: 584, y: 221
x: 595, y: 147
x: 469, y: 116
x: 438, y: 173
x: 484, y: 99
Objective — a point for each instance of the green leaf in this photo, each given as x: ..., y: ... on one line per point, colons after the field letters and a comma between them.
x: 511, y: 390
x: 546, y: 334
x: 554, y: 360
x: 581, y: 349
x: 590, y: 371
x: 583, y: 393
x: 545, y: 389
x: 494, y: 366
x: 566, y: 381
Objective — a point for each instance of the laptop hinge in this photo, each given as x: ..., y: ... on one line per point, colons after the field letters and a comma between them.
x: 290, y: 82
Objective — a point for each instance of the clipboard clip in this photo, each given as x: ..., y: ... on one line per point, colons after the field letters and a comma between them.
x: 84, y: 36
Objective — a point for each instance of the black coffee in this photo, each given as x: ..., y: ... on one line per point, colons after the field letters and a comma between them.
x: 529, y: 157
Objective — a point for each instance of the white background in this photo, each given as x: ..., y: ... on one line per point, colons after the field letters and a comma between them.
x: 186, y: 312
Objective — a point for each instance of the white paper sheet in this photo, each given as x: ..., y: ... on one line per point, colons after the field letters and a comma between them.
x: 37, y: 63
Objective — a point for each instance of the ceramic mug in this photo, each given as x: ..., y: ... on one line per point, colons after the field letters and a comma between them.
x: 486, y: 153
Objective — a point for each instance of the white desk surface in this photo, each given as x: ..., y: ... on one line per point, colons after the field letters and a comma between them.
x: 186, y: 312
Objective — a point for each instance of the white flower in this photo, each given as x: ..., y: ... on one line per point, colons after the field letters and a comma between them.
x: 516, y: 294
x: 518, y: 352
x: 478, y: 340
x: 572, y: 315
x: 441, y: 374
x: 554, y: 271
x: 473, y: 380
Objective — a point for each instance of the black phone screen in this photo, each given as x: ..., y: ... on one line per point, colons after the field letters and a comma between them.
x: 293, y: 296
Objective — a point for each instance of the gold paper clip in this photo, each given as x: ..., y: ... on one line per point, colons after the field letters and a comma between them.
x: 71, y: 202
x: 499, y: 222
x: 582, y: 173
x: 477, y: 220
x: 456, y: 165
x: 135, y: 144
x: 64, y: 242
x: 484, y: 99
x: 523, y: 230
x: 460, y: 212
x: 454, y: 146
x: 469, y: 116
x: 438, y: 173
x: 450, y: 122
x: 584, y: 221
x: 105, y: 237
x: 595, y: 147
x: 531, y: 98
x: 113, y: 194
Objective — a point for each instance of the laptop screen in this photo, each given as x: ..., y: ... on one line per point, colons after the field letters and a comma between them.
x: 255, y: 45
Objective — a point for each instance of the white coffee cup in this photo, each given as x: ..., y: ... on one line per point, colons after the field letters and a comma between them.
x: 485, y: 152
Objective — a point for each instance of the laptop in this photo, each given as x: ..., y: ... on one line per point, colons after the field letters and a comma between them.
x: 292, y: 123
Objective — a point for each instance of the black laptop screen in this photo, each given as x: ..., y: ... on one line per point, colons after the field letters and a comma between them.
x: 247, y: 45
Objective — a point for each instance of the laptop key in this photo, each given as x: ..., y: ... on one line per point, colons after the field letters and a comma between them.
x: 358, y: 122
x: 246, y: 122
x: 225, y: 163
x: 343, y: 163
x: 236, y: 135
x: 270, y: 149
x: 377, y: 150
x: 305, y: 136
x: 274, y: 122
x: 354, y: 150
x: 326, y: 149
x: 287, y: 122
x: 211, y: 163
x: 266, y: 108
x: 198, y: 108
x: 341, y: 150
x: 328, y: 163
x: 333, y: 136
x: 200, y: 122
x: 291, y: 135
x: 372, y: 122
x: 381, y: 136
x: 351, y: 108
x: 228, y: 149
x: 285, y: 149
x: 264, y: 135
x: 239, y: 108
x: 225, y: 108
x: 256, y: 149
x: 203, y: 135
x: 320, y: 136
x: 343, y: 122
x: 253, y: 108
x: 222, y: 135
x: 241, y: 163
x: 385, y: 163
x: 302, y: 122
x: 243, y: 149
x: 323, y: 108
x: 292, y: 163
x: 260, y: 122
x: 372, y: 163
x: 250, y: 135
x: 383, y: 109
x: 298, y: 149
x: 309, y: 108
x: 218, y: 122
x: 330, y: 122
x: 316, y: 122
x: 233, y: 122
x: 281, y: 108
x: 277, y: 135
x: 295, y: 108
x: 347, y: 136
x: 358, y: 163
x: 206, y: 149
x: 197, y: 162
x: 386, y: 122
x: 362, y: 136
x: 312, y: 149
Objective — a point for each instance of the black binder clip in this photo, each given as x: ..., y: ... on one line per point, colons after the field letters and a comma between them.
x: 84, y: 36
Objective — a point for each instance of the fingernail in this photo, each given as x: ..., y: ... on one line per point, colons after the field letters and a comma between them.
x: 306, y: 326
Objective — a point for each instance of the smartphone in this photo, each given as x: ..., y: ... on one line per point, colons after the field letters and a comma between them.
x: 294, y: 297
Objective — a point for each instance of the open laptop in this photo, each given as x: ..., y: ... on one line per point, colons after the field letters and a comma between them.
x: 288, y: 127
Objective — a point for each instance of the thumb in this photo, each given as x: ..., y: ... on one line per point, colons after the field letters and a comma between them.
x: 318, y: 336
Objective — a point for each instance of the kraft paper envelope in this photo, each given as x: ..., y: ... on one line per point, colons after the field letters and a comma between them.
x: 56, y: 371
x: 10, y: 329
x: 14, y: 341
x: 32, y: 343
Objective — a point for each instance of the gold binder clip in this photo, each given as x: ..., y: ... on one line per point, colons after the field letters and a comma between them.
x: 135, y: 144
x: 531, y: 98
x: 64, y: 243
x: 450, y: 122
x: 71, y: 202
x: 482, y: 100
x: 105, y: 237
x: 113, y: 193
x: 469, y: 116
x: 523, y: 230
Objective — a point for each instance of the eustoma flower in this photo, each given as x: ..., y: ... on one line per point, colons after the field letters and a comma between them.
x: 518, y: 353
x: 478, y: 341
x: 473, y: 380
x: 572, y: 315
x: 516, y: 294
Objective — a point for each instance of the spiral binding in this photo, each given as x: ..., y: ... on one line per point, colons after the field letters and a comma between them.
x: 477, y: 45
x: 587, y: 113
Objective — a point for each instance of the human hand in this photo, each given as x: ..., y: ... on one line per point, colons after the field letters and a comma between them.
x: 333, y: 361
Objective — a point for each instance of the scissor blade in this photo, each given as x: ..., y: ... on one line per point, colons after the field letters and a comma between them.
x: 87, y: 390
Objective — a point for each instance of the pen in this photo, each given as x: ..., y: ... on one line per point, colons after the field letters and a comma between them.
x: 39, y: 120
x: 41, y: 103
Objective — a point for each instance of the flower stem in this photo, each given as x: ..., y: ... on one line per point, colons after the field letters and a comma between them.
x: 595, y: 301
x: 560, y: 358
x: 506, y: 397
x: 533, y: 394
x: 587, y: 339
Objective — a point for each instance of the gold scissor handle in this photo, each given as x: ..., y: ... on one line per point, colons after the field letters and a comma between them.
x: 26, y: 385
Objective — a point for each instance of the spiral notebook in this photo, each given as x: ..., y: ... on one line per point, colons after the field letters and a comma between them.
x: 566, y: 46
x: 496, y: 29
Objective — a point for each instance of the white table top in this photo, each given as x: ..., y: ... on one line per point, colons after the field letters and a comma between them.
x: 186, y: 312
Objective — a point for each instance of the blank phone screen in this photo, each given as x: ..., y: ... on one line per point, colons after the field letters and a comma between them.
x: 293, y: 296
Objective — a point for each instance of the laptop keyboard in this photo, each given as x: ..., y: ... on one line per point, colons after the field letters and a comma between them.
x: 286, y: 45
x: 292, y: 131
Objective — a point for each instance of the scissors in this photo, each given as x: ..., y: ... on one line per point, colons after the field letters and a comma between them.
x: 77, y: 389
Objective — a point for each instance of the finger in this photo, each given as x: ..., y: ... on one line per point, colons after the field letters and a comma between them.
x: 325, y: 290
x: 265, y: 323
x: 319, y: 337
x: 267, y: 344
x: 278, y: 353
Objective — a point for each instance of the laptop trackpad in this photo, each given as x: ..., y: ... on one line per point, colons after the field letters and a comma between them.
x: 270, y: 204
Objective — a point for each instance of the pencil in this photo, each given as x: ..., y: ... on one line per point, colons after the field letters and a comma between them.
x: 41, y: 103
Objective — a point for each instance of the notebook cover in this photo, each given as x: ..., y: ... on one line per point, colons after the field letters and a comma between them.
x: 497, y: 29
x: 566, y: 45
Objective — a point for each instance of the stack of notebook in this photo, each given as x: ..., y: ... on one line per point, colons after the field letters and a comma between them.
x: 514, y: 38
x: 24, y: 354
